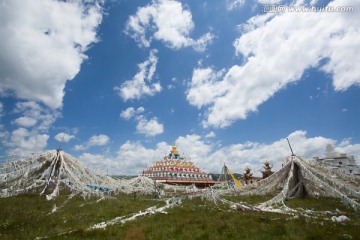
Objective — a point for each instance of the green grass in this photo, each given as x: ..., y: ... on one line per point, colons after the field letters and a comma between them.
x: 252, y: 200
x: 29, y: 216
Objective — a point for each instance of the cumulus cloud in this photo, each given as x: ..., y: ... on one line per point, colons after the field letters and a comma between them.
x: 205, y: 86
x: 278, y: 48
x: 33, y: 121
x: 96, y: 140
x: 63, y: 137
x: 149, y: 127
x: 25, y: 121
x: 141, y: 86
x: 350, y: 149
x: 166, y: 21
x: 144, y: 126
x: 254, y: 154
x: 42, y: 46
x: 99, y: 162
x: 133, y: 157
x: 35, y: 115
x: 23, y: 142
x: 194, y: 148
x: 131, y: 112
x: 80, y: 147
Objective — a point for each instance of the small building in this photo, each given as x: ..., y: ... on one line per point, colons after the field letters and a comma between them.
x: 175, y: 169
x: 338, y: 161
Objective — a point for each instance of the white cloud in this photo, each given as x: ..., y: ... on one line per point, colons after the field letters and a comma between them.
x: 194, y: 148
x: 172, y: 85
x: 98, y: 162
x: 23, y: 142
x: 63, y: 137
x: 80, y: 147
x: 144, y: 126
x: 133, y: 157
x: 130, y: 112
x: 141, y: 86
x: 43, y: 44
x: 35, y: 115
x: 205, y: 86
x: 278, y: 48
x: 34, y: 122
x: 350, y: 149
x: 130, y: 159
x: 201, y: 44
x: 233, y: 4
x: 149, y: 127
x: 25, y: 121
x: 269, y: 1
x: 210, y: 135
x: 167, y: 21
x: 96, y: 140
x: 254, y: 154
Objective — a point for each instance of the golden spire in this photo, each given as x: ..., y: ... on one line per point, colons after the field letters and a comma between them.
x: 174, y: 150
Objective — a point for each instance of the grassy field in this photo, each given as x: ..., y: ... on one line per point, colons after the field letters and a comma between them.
x: 30, y: 216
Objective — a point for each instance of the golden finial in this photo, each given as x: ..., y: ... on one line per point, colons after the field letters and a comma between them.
x: 174, y: 150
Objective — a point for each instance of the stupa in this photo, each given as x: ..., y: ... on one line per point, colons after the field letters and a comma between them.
x: 175, y: 169
x: 267, y: 170
x: 248, y: 176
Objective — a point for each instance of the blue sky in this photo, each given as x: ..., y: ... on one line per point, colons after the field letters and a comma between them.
x: 115, y: 83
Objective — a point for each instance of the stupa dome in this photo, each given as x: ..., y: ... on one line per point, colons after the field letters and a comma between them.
x: 175, y: 169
